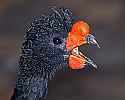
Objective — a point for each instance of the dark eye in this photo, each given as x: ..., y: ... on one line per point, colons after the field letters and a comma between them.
x: 57, y: 40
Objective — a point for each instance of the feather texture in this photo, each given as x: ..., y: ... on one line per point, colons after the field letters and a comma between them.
x: 40, y: 57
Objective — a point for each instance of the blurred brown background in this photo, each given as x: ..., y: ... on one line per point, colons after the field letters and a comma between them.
x: 106, y: 18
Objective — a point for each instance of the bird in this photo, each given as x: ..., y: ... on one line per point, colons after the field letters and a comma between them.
x: 50, y: 45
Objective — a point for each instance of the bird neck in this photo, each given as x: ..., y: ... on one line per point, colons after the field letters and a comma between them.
x: 32, y: 88
x: 32, y: 80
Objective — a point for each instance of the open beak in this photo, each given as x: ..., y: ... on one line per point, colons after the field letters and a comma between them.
x: 79, y: 35
x: 78, y: 60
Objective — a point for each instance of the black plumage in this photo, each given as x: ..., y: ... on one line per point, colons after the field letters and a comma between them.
x: 43, y: 54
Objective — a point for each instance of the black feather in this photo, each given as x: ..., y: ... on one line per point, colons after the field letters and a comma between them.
x: 41, y: 57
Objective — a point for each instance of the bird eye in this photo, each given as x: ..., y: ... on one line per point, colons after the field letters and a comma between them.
x: 57, y: 41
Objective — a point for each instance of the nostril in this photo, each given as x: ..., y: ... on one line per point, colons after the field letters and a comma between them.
x: 90, y: 38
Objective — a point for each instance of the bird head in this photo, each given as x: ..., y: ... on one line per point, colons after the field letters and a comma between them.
x: 50, y: 44
x: 53, y: 40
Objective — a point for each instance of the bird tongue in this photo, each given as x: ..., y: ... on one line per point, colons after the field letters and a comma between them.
x: 78, y: 61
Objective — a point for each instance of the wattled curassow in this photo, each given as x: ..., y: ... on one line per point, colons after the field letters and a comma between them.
x: 50, y: 44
